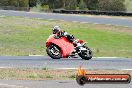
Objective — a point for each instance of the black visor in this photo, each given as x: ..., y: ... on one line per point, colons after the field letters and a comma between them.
x: 55, y: 31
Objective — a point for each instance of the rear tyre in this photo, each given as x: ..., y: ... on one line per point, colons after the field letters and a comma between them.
x: 86, y: 55
x: 54, y: 51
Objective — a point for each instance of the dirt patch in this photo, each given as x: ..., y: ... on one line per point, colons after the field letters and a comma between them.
x: 127, y: 30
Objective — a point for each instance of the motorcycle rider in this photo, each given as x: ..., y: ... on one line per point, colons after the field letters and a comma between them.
x: 59, y: 33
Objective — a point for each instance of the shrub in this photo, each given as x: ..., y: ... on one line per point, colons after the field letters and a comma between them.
x: 70, y: 4
x: 82, y: 5
x: 112, y: 5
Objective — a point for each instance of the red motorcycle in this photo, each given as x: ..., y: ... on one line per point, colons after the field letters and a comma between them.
x: 62, y: 48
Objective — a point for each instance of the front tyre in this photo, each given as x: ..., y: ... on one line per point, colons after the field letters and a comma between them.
x: 86, y: 55
x: 54, y: 52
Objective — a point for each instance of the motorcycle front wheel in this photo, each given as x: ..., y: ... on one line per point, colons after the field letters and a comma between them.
x: 54, y: 52
x: 86, y: 55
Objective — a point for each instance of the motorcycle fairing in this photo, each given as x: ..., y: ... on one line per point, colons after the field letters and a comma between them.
x: 66, y: 46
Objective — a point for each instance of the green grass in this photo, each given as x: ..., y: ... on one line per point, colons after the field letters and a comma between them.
x: 24, y: 36
x: 36, y: 74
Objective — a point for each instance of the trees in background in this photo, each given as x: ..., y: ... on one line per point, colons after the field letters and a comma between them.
x: 102, y: 5
x: 43, y: 2
x: 32, y: 3
x: 16, y: 3
x: 23, y: 3
x: 55, y: 4
x: 112, y: 5
x: 4, y: 2
x: 70, y: 4
x: 92, y: 4
x: 82, y: 5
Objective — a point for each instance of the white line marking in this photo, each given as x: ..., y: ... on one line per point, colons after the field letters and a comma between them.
x: 75, y: 21
x: 67, y: 68
x: 12, y: 86
x: 108, y: 57
x: 5, y: 67
x: 93, y: 69
x: 36, y: 55
x: 127, y: 69
x: 93, y: 57
x: 84, y: 22
x: 51, y: 19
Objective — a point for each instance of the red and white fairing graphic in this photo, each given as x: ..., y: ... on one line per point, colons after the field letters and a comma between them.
x: 66, y: 46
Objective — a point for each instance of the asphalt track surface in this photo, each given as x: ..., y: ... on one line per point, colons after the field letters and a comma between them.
x: 88, y: 19
x: 56, y: 84
x: 45, y: 61
x: 70, y: 63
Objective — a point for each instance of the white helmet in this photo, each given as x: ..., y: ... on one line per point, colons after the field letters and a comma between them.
x: 56, y: 29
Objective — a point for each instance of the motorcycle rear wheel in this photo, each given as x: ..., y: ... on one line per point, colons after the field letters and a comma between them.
x: 52, y: 54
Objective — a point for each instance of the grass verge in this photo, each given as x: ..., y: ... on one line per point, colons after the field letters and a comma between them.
x: 40, y: 74
x: 25, y: 36
x: 36, y: 74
